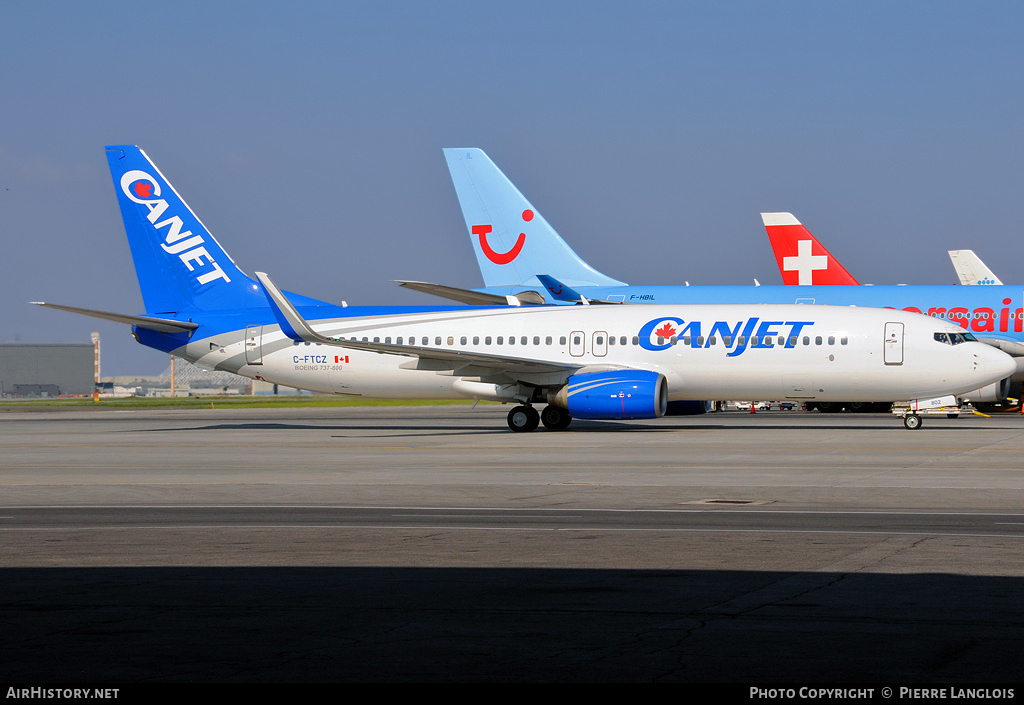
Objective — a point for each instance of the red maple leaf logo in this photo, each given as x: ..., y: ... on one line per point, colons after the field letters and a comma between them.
x: 666, y: 331
x: 142, y: 189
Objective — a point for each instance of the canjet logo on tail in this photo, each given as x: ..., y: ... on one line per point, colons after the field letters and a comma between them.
x: 663, y: 333
x: 143, y: 189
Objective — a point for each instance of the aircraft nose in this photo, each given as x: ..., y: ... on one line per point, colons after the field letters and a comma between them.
x: 994, y: 363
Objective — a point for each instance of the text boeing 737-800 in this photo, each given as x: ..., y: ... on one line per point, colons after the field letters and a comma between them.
x: 608, y: 362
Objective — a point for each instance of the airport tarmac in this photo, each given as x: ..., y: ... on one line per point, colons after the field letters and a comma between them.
x: 398, y: 544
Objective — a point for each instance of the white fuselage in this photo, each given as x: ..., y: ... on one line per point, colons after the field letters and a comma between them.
x: 705, y: 352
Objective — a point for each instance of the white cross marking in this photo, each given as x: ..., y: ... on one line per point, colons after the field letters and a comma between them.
x: 804, y: 263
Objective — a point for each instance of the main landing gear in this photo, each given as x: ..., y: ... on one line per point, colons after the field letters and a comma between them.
x: 526, y: 418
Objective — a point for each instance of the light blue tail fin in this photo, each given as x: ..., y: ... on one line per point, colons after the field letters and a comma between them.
x: 512, y: 241
x: 180, y: 266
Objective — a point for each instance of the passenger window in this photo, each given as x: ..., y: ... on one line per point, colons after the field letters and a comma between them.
x: 817, y: 340
x: 511, y: 340
x: 487, y: 340
x: 686, y: 340
x: 753, y: 340
x: 844, y: 340
x: 741, y: 340
x: 425, y: 340
x: 700, y: 341
x: 437, y: 340
x: 611, y: 340
x: 782, y: 340
x: 476, y: 340
x: 388, y: 340
x: 671, y: 341
x: 622, y: 340
x: 501, y: 340
x: 831, y: 340
x: 807, y: 340
x: 561, y: 340
x: 727, y: 340
x: 547, y: 340
x: 536, y: 340
x: 792, y: 341
x: 462, y: 340
x: 636, y: 340
x: 712, y: 340
x: 400, y: 339
x: 522, y: 341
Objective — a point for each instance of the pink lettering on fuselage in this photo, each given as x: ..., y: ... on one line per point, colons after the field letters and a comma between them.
x: 981, y: 319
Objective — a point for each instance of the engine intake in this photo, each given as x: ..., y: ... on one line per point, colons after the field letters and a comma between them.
x: 995, y: 392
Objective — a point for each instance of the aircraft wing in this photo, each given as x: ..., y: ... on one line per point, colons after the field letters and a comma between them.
x: 970, y: 269
x: 475, y: 298
x: 297, y: 328
x: 161, y: 325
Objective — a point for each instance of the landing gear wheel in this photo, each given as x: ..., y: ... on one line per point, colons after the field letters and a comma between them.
x: 912, y: 421
x: 523, y: 418
x: 555, y: 419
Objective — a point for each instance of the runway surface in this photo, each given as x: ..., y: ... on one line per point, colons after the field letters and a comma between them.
x: 432, y: 544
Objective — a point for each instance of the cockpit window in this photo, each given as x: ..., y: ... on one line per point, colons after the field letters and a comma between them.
x: 955, y: 338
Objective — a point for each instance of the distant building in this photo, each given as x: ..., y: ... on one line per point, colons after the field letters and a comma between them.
x: 46, y: 370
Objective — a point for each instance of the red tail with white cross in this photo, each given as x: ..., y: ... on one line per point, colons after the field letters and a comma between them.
x: 802, y: 259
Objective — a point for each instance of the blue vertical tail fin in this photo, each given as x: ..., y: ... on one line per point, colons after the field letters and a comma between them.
x: 179, y: 264
x: 512, y: 241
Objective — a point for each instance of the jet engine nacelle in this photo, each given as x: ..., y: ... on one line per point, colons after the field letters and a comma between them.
x: 615, y: 394
x: 995, y: 392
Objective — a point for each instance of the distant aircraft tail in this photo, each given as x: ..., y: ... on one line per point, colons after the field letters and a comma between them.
x: 801, y: 258
x: 970, y: 269
x: 512, y: 240
x: 179, y: 264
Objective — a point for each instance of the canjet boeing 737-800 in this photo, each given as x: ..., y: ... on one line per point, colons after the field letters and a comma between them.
x: 522, y: 259
x: 594, y: 362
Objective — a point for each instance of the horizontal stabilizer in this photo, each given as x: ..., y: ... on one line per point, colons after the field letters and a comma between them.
x: 160, y: 325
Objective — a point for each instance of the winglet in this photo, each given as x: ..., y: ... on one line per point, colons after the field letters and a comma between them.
x: 801, y: 258
x: 560, y: 291
x: 291, y: 321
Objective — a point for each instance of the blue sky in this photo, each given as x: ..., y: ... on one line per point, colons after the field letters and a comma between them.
x: 651, y: 135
